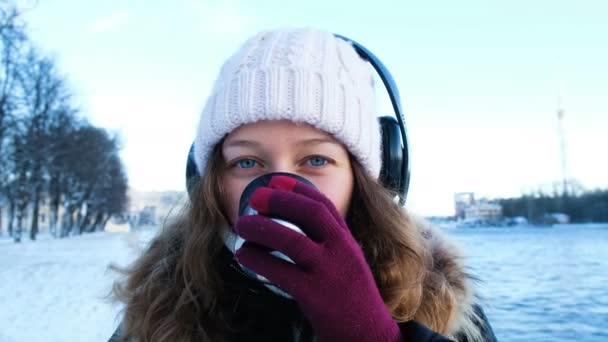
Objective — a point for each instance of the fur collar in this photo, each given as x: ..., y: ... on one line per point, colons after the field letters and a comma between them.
x: 467, y: 321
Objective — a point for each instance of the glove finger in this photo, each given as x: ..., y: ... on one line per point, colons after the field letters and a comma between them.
x: 310, y: 215
x: 266, y: 232
x: 291, y: 184
x: 287, y: 276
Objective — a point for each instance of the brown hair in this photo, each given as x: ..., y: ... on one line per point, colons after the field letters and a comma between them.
x: 173, y: 292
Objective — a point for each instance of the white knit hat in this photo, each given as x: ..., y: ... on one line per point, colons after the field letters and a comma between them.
x: 301, y: 75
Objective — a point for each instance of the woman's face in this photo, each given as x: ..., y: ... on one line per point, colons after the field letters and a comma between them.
x: 283, y: 146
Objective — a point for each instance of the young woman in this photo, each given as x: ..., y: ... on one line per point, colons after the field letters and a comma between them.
x: 297, y: 102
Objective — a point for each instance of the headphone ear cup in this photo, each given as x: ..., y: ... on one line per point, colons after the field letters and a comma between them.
x: 192, y: 175
x: 391, y: 173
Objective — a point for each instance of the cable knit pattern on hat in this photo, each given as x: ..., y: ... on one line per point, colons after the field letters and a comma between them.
x: 301, y: 75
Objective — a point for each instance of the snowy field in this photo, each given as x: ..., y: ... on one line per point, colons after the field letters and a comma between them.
x: 55, y: 289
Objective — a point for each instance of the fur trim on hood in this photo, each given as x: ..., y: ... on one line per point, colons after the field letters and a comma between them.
x: 467, y: 321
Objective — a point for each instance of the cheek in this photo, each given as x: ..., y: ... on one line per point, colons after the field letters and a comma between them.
x: 338, y: 189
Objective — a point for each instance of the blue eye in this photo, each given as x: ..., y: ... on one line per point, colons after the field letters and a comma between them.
x: 317, y: 161
x: 246, y: 163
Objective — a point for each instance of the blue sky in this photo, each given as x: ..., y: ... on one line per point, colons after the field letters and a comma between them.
x: 479, y: 80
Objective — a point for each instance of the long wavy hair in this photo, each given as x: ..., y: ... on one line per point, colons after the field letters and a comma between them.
x: 173, y: 292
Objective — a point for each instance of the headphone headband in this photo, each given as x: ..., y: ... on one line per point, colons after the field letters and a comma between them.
x: 403, y: 182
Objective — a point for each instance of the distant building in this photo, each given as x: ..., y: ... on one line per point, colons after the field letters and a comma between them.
x: 484, y: 211
x: 147, y: 216
x: 153, y: 207
x: 115, y: 225
x: 470, y: 209
x: 462, y: 200
x: 43, y: 218
x: 145, y: 208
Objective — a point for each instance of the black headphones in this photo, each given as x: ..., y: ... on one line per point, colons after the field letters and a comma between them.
x: 395, y: 170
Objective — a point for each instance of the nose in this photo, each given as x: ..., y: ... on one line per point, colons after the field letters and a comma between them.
x: 291, y: 169
x: 281, y: 166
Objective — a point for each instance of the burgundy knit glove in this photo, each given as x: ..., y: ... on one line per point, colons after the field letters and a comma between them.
x: 330, y: 280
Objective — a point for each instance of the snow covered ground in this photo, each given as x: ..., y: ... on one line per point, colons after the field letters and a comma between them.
x: 55, y: 289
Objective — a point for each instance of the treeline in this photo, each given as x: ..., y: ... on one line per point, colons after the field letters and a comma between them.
x: 51, y: 160
x: 581, y: 207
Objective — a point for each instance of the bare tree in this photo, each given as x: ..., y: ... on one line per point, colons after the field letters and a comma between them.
x: 61, y: 136
x: 110, y: 196
x: 48, y: 156
x: 95, y: 182
x: 19, y: 185
x: 12, y: 39
x: 43, y: 94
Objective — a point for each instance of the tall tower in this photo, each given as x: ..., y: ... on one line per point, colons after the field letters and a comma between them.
x: 562, y: 142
